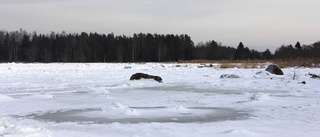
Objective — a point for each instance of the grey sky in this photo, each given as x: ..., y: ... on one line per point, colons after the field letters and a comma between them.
x: 259, y: 24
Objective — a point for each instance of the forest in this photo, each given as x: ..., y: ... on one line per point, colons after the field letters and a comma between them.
x: 22, y: 46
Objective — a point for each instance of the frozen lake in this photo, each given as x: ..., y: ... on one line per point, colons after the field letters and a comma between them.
x: 98, y: 100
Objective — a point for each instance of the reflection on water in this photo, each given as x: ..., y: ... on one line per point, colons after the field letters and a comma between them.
x: 145, y: 115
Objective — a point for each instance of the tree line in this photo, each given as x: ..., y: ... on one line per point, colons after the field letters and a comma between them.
x: 21, y: 46
x: 298, y: 51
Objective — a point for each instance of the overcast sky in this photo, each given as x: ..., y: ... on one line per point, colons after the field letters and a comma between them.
x: 259, y: 24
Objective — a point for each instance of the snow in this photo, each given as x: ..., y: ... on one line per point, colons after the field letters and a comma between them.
x: 98, y: 100
x: 4, y: 98
x: 118, y: 108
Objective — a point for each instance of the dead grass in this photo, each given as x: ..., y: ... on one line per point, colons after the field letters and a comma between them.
x: 284, y: 63
x: 310, y: 62
x: 196, y: 61
x: 228, y: 63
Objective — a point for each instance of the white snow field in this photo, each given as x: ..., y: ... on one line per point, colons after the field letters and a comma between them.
x: 99, y: 100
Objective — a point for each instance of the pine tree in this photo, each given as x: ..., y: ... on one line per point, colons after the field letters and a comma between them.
x: 267, y: 54
x: 238, y: 55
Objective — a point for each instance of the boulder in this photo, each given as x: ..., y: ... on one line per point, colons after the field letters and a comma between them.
x: 138, y: 76
x: 314, y: 75
x: 229, y: 76
x: 274, y: 69
x: 303, y: 82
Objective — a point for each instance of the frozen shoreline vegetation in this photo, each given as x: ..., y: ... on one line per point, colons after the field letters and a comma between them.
x: 98, y: 100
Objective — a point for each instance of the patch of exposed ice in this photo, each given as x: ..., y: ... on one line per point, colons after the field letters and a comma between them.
x: 241, y: 133
x: 40, y: 96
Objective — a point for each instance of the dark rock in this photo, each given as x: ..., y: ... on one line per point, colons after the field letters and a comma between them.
x: 229, y: 76
x: 314, y: 75
x: 303, y: 82
x: 210, y: 65
x: 138, y: 76
x: 274, y: 69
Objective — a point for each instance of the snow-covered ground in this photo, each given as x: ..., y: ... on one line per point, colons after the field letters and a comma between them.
x: 99, y: 100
